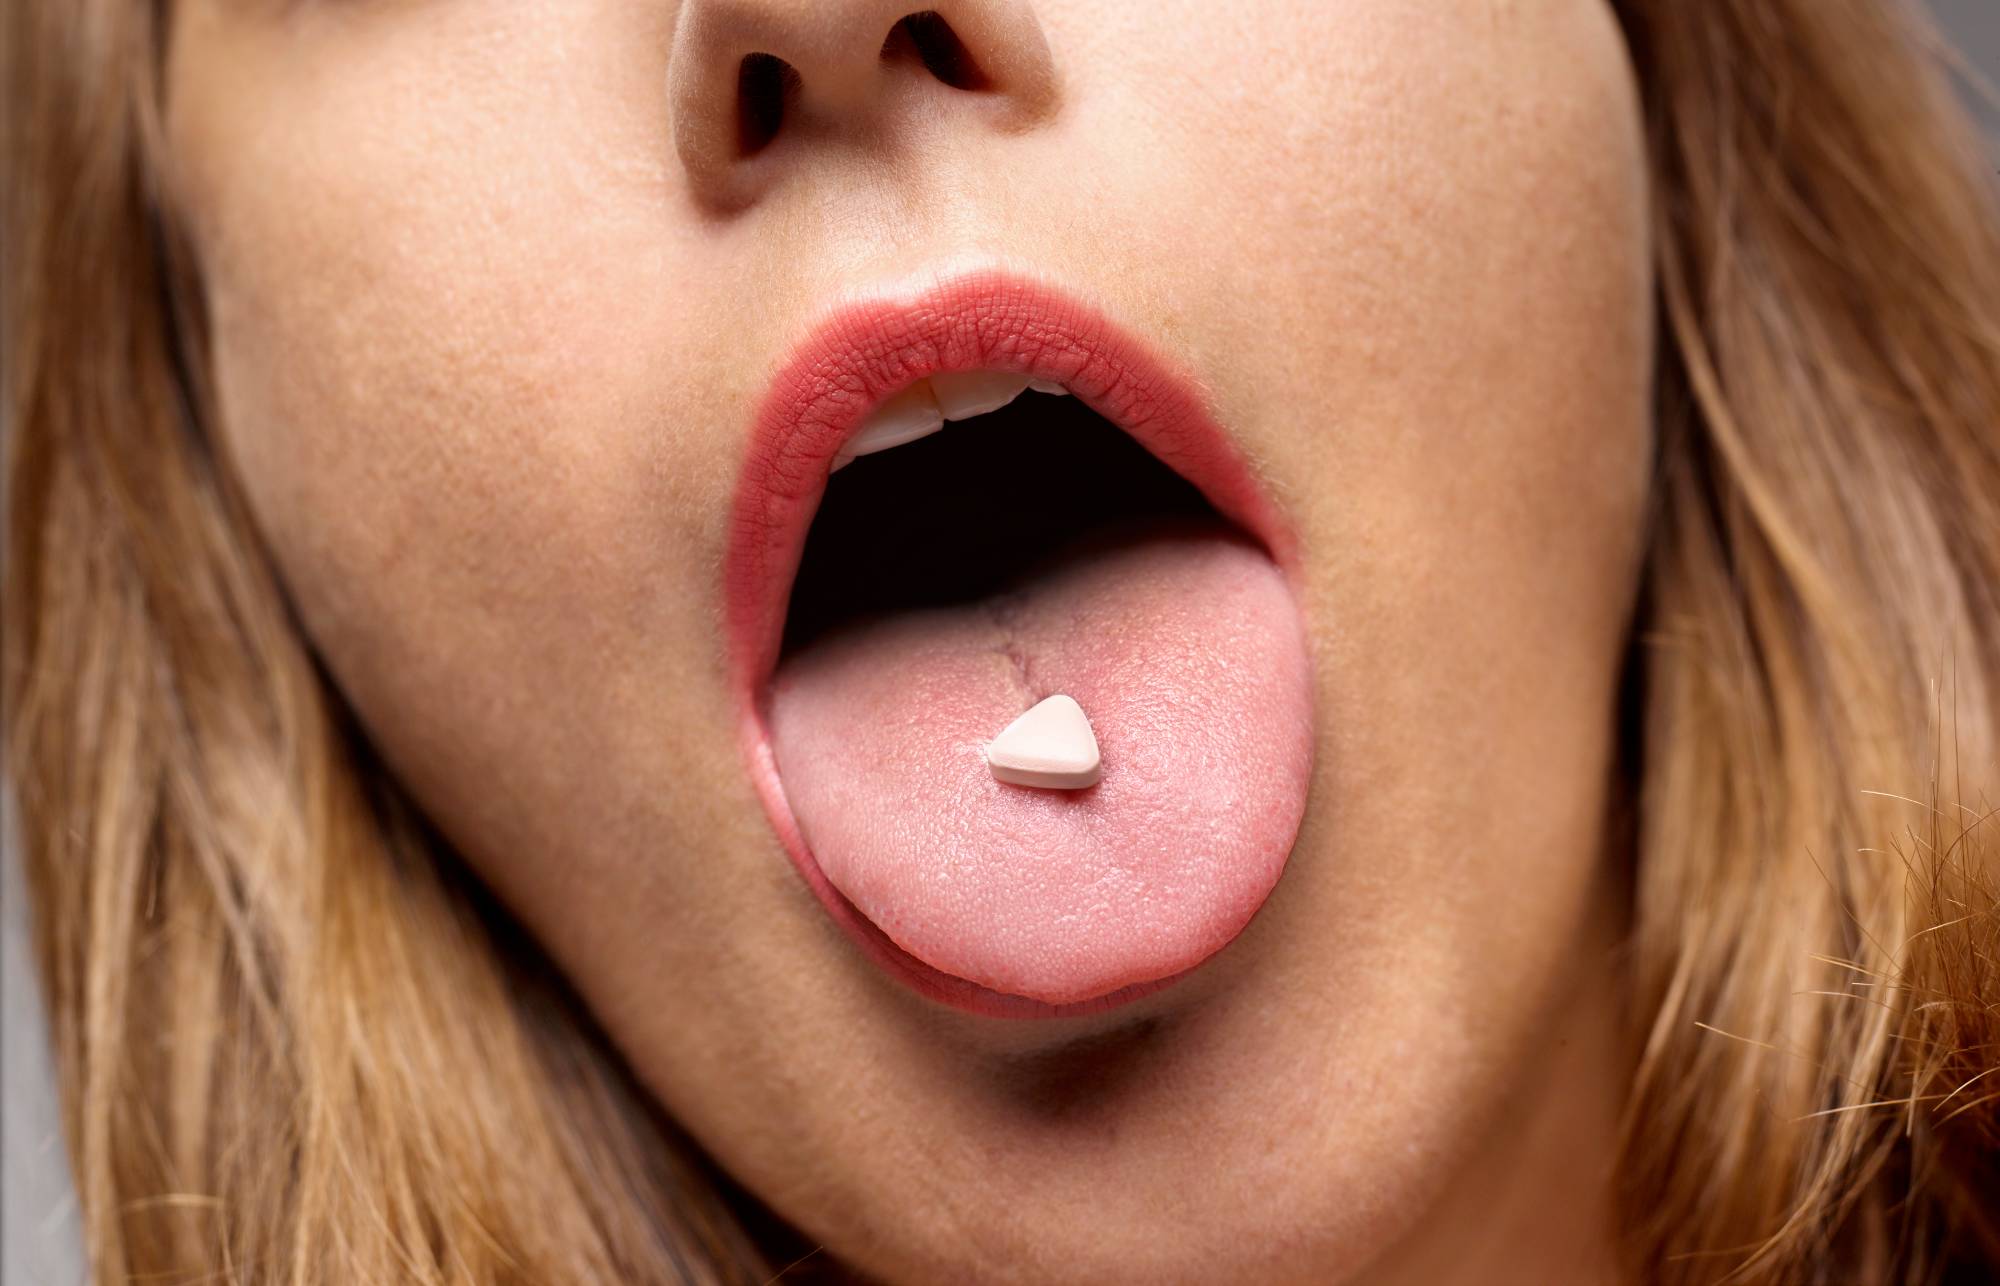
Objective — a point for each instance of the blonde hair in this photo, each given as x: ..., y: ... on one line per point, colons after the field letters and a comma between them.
x: 299, y: 1043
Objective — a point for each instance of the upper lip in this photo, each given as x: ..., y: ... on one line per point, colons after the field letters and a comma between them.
x: 850, y: 363
x: 855, y: 359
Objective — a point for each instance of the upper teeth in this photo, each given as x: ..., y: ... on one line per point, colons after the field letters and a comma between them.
x: 964, y: 394
x: 922, y: 409
x: 911, y: 414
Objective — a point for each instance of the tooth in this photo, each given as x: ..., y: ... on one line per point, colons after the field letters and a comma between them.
x: 911, y: 414
x: 964, y: 394
x: 1050, y: 387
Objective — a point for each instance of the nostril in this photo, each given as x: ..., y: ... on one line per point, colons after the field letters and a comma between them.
x: 764, y: 85
x: 929, y: 38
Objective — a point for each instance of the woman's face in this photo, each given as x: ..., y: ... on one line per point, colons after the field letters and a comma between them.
x: 534, y: 345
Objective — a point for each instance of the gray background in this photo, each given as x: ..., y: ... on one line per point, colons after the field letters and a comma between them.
x: 1974, y: 26
x: 37, y: 1211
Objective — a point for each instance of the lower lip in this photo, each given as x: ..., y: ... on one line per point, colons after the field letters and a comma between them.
x: 846, y: 366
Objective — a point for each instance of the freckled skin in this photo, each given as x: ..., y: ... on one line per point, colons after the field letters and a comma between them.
x: 485, y: 366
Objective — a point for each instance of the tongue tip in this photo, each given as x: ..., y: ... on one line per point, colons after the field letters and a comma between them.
x: 1063, y: 960
x: 1065, y: 989
x: 1003, y: 993
x: 1066, y: 992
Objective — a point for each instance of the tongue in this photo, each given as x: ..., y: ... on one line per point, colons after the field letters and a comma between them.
x: 1185, y: 650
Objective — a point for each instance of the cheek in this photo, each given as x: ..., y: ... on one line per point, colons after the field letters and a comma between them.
x: 1417, y: 239
x: 464, y: 371
x: 1446, y: 267
x: 1438, y: 301
x: 417, y: 295
x: 1447, y: 330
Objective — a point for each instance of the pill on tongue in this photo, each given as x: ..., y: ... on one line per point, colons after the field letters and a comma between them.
x: 1051, y: 746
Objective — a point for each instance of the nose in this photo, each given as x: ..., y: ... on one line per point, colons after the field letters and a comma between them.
x: 754, y: 82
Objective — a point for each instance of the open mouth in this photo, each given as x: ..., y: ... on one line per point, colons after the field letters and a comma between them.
x: 954, y: 508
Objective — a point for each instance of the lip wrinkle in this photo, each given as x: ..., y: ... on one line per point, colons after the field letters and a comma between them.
x: 847, y: 365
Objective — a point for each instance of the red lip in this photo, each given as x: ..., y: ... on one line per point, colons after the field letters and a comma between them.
x: 842, y: 370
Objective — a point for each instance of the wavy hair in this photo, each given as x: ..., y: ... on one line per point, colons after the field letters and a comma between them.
x: 298, y: 1043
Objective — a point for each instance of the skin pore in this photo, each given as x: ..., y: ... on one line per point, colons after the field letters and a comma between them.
x: 486, y: 342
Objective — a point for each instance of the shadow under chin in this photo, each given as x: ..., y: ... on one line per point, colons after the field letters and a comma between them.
x: 1075, y: 1080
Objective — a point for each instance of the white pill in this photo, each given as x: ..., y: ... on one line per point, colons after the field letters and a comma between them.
x: 1050, y: 746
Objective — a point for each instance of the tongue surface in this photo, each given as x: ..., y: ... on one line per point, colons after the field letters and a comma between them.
x: 1184, y: 648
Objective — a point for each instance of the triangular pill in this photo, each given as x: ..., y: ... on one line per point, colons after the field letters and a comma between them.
x: 1051, y: 746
